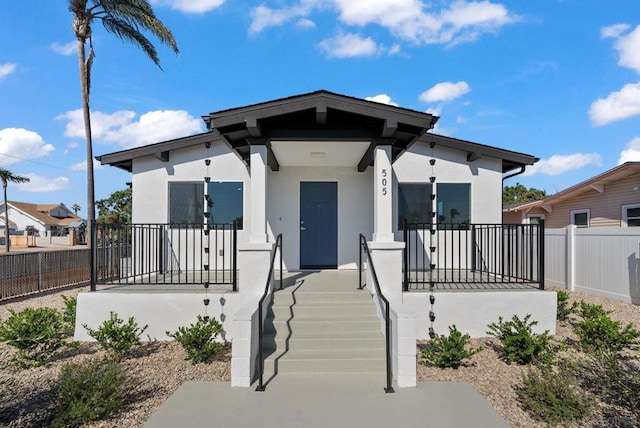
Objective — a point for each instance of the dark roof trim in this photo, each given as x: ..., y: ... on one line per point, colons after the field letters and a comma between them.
x: 123, y: 159
x: 510, y: 160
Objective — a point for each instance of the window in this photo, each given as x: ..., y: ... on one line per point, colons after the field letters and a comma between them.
x: 224, y: 202
x: 186, y: 203
x: 631, y: 215
x: 454, y: 204
x: 414, y: 203
x: 535, y: 219
x: 580, y: 218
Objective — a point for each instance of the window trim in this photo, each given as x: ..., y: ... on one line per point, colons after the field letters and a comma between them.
x: 529, y: 216
x: 586, y: 211
x: 623, y: 217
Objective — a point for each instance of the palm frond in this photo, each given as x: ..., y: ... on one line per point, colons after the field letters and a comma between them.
x: 125, y: 31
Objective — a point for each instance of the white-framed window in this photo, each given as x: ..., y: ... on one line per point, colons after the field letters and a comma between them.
x: 580, y: 218
x: 534, y: 218
x: 631, y: 215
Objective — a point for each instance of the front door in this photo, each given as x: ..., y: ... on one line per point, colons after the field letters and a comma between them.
x: 318, y: 225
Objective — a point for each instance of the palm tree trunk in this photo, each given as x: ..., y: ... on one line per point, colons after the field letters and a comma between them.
x: 6, y: 218
x: 84, y: 87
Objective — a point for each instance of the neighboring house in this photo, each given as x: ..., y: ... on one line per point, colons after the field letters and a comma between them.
x: 524, y: 213
x: 46, y: 219
x: 610, y: 199
x: 320, y: 169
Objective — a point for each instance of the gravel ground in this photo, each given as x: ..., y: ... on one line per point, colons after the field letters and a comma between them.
x: 159, y: 368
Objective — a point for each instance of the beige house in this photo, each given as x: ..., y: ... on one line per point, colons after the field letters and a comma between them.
x: 611, y: 199
x: 46, y: 219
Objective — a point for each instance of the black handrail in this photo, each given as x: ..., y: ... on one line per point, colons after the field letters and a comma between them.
x: 363, y: 244
x: 261, y: 385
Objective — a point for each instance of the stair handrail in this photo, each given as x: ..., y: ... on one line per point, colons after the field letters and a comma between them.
x: 363, y: 244
x: 261, y: 386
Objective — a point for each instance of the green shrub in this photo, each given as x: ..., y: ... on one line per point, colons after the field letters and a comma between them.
x: 521, y: 345
x: 88, y: 392
x: 449, y: 351
x: 199, y: 339
x: 564, y: 310
x: 69, y: 314
x: 552, y: 397
x: 116, y: 336
x: 603, y: 334
x: 591, y: 311
x: 36, y: 333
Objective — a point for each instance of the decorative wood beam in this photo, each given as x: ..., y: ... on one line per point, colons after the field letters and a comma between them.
x: 547, y: 208
x: 367, y: 158
x: 598, y: 187
x: 272, y: 160
x: 473, y: 156
x: 253, y: 126
x: 321, y: 114
x: 162, y: 155
x: 389, y: 128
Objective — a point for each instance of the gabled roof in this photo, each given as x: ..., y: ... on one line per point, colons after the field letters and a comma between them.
x: 523, y: 206
x: 595, y: 183
x: 39, y: 213
x: 320, y: 115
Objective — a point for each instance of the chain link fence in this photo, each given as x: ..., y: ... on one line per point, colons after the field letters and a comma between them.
x: 34, y: 272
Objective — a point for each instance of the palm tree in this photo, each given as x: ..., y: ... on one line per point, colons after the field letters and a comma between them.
x: 125, y: 19
x: 75, y: 208
x: 7, y: 176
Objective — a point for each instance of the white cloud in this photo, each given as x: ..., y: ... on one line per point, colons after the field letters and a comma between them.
x: 383, y: 99
x: 559, y: 164
x: 67, y: 49
x: 631, y: 153
x: 614, y: 31
x: 73, y: 145
x: 461, y: 120
x: 19, y: 143
x: 122, y: 129
x: 445, y: 91
x: 617, y: 106
x: 435, y: 110
x: 7, y: 69
x: 82, y: 166
x: 415, y: 21
x: 190, y: 6
x: 39, y: 183
x: 305, y: 23
x: 349, y: 45
x: 628, y: 46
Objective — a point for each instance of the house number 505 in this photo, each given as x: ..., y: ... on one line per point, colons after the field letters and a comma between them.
x: 384, y: 182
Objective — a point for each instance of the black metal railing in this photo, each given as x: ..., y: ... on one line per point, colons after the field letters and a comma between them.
x: 276, y: 249
x: 155, y: 253
x: 365, y: 248
x: 473, y: 254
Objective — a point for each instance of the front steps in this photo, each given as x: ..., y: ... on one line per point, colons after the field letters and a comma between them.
x: 325, y: 328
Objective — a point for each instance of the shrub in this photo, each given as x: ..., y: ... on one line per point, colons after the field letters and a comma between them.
x: 564, y: 310
x: 603, y: 334
x: 36, y: 333
x: 116, y: 336
x: 591, y: 311
x: 449, y: 351
x: 521, y: 345
x: 88, y: 392
x: 552, y: 397
x: 69, y: 314
x: 199, y: 339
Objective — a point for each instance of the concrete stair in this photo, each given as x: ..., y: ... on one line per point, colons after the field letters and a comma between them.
x: 323, y: 328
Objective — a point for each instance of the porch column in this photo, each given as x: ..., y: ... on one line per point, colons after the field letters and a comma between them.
x: 258, y: 171
x: 383, y: 197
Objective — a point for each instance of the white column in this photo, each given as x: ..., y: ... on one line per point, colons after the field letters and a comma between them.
x: 258, y: 194
x: 383, y: 197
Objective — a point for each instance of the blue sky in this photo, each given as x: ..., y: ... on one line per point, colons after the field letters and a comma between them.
x: 558, y: 79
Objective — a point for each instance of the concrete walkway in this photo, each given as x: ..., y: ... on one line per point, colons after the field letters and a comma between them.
x: 325, y: 401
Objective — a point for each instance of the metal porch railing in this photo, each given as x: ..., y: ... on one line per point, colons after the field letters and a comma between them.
x: 473, y: 254
x: 155, y: 253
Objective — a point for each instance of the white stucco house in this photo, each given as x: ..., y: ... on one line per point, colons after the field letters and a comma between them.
x: 46, y: 219
x: 319, y: 169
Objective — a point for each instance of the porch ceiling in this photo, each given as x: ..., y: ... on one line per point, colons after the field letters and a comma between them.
x: 319, y: 153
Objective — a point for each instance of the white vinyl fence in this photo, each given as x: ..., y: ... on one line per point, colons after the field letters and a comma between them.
x: 601, y: 260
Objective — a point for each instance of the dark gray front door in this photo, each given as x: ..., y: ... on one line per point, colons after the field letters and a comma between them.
x: 318, y: 225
